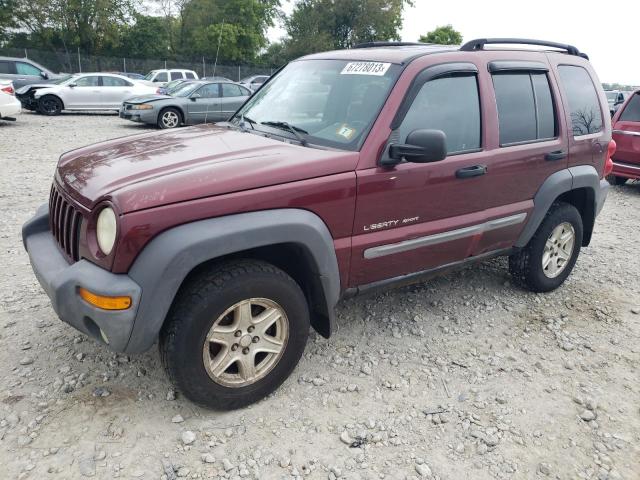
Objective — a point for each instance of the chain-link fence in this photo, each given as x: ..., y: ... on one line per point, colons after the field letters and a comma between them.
x: 74, y: 62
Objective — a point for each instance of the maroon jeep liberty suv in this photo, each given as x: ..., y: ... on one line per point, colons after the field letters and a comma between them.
x: 346, y: 172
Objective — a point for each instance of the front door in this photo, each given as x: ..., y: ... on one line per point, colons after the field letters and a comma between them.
x: 204, y: 104
x: 233, y: 96
x: 84, y: 94
x: 419, y: 216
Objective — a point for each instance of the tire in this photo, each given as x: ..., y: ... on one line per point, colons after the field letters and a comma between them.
x: 203, y: 303
x: 526, y: 265
x: 169, y: 118
x: 615, y: 180
x: 50, y: 105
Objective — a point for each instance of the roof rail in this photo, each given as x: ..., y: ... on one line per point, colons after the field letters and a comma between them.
x: 387, y: 44
x: 479, y: 43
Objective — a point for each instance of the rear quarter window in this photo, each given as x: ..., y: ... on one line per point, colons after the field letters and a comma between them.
x: 631, y: 112
x: 6, y: 67
x: 189, y: 75
x: 586, y: 115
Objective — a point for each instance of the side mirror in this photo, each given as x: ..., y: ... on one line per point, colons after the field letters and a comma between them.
x: 422, y: 146
x: 72, y: 85
x: 44, y: 75
x: 195, y: 96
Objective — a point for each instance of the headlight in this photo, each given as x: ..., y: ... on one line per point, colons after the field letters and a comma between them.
x: 106, y: 229
x: 141, y: 106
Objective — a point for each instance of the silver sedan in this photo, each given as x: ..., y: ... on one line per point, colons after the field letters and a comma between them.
x: 89, y: 91
x: 195, y: 102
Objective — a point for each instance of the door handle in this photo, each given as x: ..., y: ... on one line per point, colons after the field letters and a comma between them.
x: 474, y: 171
x: 557, y: 155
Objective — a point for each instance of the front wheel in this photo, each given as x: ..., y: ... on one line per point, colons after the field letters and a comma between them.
x: 234, y: 334
x: 169, y: 118
x: 50, y: 105
x: 547, y: 260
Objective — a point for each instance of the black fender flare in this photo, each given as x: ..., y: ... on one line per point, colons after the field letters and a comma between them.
x: 559, y: 183
x: 165, y: 262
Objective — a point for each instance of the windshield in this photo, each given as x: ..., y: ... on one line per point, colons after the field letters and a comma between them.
x: 332, y: 103
x: 61, y: 80
x: 150, y: 75
x: 185, y: 90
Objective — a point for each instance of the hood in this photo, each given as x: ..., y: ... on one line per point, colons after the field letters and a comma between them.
x: 149, y: 170
x: 151, y: 97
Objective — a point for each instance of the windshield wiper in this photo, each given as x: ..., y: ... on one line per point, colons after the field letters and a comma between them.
x: 292, y: 128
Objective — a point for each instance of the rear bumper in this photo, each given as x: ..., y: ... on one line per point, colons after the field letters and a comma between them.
x: 601, y: 195
x: 61, y: 281
x: 10, y: 109
x: 626, y: 170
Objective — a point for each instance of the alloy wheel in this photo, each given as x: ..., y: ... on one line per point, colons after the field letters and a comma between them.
x: 558, y: 250
x: 170, y: 119
x: 245, y: 342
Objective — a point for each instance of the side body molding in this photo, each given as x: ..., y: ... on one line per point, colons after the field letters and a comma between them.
x: 165, y: 262
x: 561, y: 182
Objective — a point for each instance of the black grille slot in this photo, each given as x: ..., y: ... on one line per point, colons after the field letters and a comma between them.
x: 64, y: 221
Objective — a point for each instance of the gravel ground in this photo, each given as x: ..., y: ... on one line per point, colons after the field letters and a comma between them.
x: 462, y: 377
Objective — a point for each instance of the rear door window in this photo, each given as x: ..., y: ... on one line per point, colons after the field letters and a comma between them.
x: 189, y: 75
x: 176, y: 75
x: 586, y: 116
x: 115, y: 82
x: 525, y: 107
x: 231, y: 90
x: 450, y: 104
x: 631, y: 112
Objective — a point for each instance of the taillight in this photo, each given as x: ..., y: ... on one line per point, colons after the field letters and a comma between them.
x: 8, y: 89
x: 608, y: 163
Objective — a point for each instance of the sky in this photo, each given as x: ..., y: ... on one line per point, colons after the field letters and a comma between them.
x: 610, y: 36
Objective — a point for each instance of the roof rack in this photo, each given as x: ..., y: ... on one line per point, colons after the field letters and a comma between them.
x: 479, y: 43
x: 387, y: 44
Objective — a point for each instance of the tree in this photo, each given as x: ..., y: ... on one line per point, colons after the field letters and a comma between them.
x: 316, y: 25
x: 241, y: 37
x: 148, y: 37
x: 6, y: 19
x: 444, y: 35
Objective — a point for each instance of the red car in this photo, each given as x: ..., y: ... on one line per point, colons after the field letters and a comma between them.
x: 626, y: 133
x: 346, y: 172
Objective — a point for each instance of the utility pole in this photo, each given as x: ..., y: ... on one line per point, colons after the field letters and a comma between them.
x: 79, y: 63
x: 218, y: 49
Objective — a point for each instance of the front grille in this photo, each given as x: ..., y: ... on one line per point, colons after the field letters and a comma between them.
x: 64, y: 222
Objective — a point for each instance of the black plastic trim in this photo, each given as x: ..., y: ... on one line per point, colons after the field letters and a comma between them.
x: 479, y: 43
x: 516, y: 65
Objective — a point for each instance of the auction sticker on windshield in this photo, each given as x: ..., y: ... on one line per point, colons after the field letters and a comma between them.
x: 365, y: 68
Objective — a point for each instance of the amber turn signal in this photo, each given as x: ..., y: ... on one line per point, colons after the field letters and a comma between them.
x: 105, y: 303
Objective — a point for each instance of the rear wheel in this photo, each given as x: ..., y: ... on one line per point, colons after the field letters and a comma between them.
x: 616, y: 180
x: 549, y: 257
x: 235, y: 334
x: 50, y: 105
x: 169, y: 118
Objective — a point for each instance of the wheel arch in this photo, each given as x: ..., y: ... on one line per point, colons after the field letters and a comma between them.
x: 579, y: 186
x: 52, y: 95
x: 296, y: 241
x: 175, y: 107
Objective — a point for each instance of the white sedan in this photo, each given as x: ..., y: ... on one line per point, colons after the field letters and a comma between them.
x: 87, y: 91
x: 9, y: 104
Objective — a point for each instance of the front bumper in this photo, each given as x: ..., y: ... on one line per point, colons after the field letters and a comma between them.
x: 61, y: 281
x: 140, y: 116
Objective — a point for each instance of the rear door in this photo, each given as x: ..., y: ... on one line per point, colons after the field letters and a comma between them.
x: 233, y: 96
x: 528, y: 146
x: 114, y: 91
x: 204, y: 104
x: 626, y: 133
x: 8, y: 71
